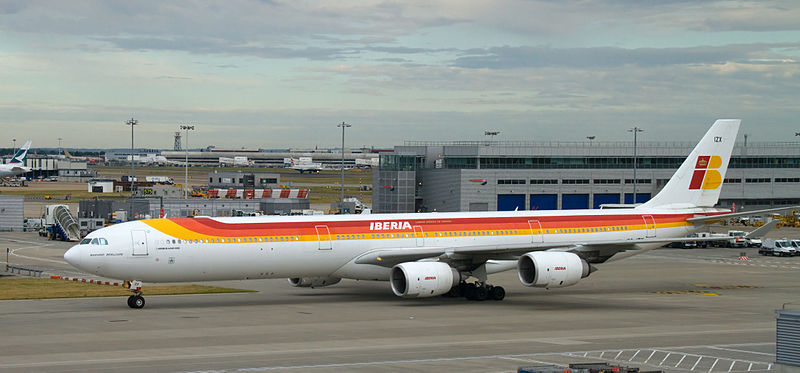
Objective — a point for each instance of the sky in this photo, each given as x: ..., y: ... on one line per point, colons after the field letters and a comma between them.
x: 280, y: 74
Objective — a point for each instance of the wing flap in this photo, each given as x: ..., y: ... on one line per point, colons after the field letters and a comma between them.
x: 391, y: 257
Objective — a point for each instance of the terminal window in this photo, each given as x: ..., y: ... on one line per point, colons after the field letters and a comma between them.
x: 575, y: 181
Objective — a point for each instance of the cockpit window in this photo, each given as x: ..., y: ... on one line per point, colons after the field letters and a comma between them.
x: 85, y: 241
x: 103, y: 241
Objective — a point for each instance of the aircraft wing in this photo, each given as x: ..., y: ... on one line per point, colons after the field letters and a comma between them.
x: 391, y: 257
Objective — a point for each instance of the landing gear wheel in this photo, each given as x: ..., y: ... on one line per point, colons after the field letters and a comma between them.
x: 469, y: 291
x: 497, y: 293
x: 480, y: 293
x: 136, y: 301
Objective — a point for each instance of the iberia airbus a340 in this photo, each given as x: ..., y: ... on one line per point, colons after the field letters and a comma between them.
x: 421, y: 255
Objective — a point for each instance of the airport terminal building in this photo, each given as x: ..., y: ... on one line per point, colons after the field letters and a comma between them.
x: 430, y: 176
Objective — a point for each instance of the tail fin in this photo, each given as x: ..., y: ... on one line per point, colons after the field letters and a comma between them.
x: 19, y: 156
x: 698, y: 181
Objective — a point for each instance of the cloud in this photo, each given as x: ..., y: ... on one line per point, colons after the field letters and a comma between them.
x: 543, y: 56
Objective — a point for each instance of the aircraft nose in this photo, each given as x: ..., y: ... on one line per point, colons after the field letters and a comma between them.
x: 73, y: 256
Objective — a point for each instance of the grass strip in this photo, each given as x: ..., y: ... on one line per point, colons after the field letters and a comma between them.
x: 43, y: 288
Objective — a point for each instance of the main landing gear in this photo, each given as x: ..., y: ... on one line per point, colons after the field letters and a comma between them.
x: 476, y: 291
x: 136, y: 300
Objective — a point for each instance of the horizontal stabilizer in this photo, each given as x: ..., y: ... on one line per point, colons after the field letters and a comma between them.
x: 703, y: 219
x: 762, y: 230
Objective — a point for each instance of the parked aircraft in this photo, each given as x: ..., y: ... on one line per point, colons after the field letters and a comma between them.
x: 303, y: 164
x: 16, y: 165
x: 421, y: 255
x: 236, y: 162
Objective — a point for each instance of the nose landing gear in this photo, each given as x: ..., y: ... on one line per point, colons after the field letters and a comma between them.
x: 136, y: 300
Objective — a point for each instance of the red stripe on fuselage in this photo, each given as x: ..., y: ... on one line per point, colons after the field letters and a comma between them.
x: 213, y: 227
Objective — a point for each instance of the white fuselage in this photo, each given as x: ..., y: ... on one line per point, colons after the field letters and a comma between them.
x: 176, y: 250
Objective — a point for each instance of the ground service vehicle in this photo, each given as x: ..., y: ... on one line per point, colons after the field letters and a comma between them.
x: 777, y: 248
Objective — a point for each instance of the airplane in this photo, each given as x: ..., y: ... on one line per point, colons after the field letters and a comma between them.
x: 15, y: 165
x: 236, y: 162
x: 304, y: 164
x: 420, y: 254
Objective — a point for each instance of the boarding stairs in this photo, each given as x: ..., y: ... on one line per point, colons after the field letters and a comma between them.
x: 66, y: 225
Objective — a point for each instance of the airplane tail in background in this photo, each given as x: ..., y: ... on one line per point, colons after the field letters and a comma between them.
x: 19, y: 156
x: 698, y: 181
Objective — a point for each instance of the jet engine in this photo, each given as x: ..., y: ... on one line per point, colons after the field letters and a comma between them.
x: 423, y: 279
x: 551, y: 269
x: 313, y: 282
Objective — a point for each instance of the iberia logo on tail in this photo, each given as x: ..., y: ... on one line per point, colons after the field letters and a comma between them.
x: 706, y: 174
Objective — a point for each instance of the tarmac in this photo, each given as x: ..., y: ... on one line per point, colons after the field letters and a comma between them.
x: 676, y: 310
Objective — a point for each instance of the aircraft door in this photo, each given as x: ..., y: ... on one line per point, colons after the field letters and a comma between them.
x: 323, y: 237
x: 536, y: 231
x: 649, y: 225
x: 139, y: 239
x: 420, y: 235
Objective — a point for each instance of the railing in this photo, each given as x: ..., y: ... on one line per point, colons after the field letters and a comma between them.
x: 19, y: 270
x: 67, y: 224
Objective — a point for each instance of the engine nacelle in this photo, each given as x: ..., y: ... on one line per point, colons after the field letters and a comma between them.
x: 313, y: 282
x: 551, y: 269
x: 423, y: 279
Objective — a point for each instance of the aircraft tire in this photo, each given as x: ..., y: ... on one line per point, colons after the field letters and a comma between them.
x: 136, y: 301
x: 469, y: 291
x: 480, y: 293
x: 497, y: 293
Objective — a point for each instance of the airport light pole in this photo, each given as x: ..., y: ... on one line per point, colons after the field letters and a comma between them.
x: 635, y: 131
x: 14, y: 141
x: 343, y: 125
x: 59, y: 146
x: 132, y: 122
x: 186, y: 161
x: 590, y: 138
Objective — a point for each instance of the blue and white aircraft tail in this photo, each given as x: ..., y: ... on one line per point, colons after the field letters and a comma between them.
x: 16, y: 165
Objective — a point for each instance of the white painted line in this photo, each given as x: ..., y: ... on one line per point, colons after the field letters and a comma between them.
x: 679, y: 362
x: 731, y: 367
x: 634, y: 355
x: 713, y: 365
x: 648, y: 358
x: 530, y: 361
x: 665, y: 358
x: 14, y: 253
x: 737, y: 350
x: 620, y: 353
x: 696, y: 362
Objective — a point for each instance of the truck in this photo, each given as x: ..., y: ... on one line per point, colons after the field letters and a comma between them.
x: 737, y: 239
x: 159, y: 179
x: 777, y: 248
x: 796, y: 246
